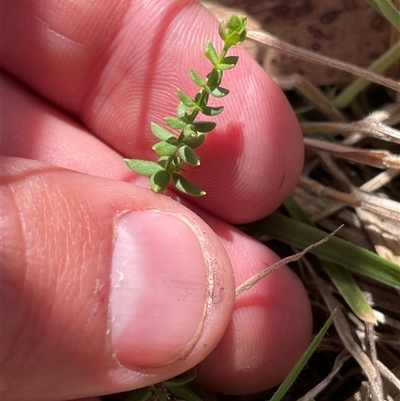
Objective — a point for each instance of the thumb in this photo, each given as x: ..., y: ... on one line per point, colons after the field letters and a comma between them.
x: 105, y: 286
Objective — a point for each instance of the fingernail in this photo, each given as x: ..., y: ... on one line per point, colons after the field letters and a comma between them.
x: 158, y: 289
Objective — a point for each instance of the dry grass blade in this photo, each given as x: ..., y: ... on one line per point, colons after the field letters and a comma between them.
x: 388, y: 374
x: 384, y: 232
x: 312, y: 94
x: 269, y: 40
x: 257, y: 277
x: 375, y: 158
x: 381, y: 219
x: 380, y: 180
x: 386, y: 208
x: 344, y: 331
x: 339, y: 362
x: 314, y: 187
x: 367, y: 127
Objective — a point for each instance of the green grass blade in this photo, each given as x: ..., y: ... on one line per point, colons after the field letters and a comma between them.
x: 294, y: 373
x: 294, y: 209
x: 388, y: 10
x: 379, y: 66
x: 339, y: 275
x: 349, y: 290
x: 336, y: 250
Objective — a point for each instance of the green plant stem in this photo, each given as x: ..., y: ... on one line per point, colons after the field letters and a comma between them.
x: 204, y: 95
x: 174, y: 150
x: 203, y: 99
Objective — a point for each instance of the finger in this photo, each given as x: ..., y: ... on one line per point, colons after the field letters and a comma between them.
x: 103, y: 284
x: 47, y: 134
x: 271, y: 323
x: 89, y: 399
x: 117, y: 66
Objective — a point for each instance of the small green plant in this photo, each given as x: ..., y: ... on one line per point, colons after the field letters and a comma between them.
x: 175, y: 149
x: 173, y: 389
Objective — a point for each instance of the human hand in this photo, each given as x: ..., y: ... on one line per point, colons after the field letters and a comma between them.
x: 94, y: 74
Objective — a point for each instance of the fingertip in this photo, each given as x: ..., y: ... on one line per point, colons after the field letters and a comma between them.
x: 255, y: 155
x: 270, y: 326
x: 266, y: 337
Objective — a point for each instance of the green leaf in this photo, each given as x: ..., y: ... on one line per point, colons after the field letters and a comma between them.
x: 189, y: 155
x: 189, y: 131
x: 183, y: 393
x: 164, y: 148
x: 159, y: 181
x: 182, y: 111
x: 222, y: 29
x: 196, y: 78
x: 182, y: 379
x: 185, y: 186
x: 185, y: 99
x: 160, y: 132
x: 204, y: 126
x: 336, y: 250
x: 224, y: 67
x: 214, y: 79
x: 294, y: 373
x: 143, y: 167
x: 220, y: 92
x: 140, y: 394
x: 211, y: 53
x: 195, y: 141
x: 228, y: 63
x: 231, y: 60
x: 175, y: 123
x: 212, y: 111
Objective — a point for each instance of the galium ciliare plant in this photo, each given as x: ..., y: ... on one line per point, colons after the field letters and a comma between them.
x: 175, y: 149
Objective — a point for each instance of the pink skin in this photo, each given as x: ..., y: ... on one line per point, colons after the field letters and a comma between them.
x: 114, y: 66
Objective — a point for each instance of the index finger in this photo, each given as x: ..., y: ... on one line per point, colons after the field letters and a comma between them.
x: 116, y: 65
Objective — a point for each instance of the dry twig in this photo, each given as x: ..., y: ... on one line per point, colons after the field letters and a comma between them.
x: 257, y: 277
